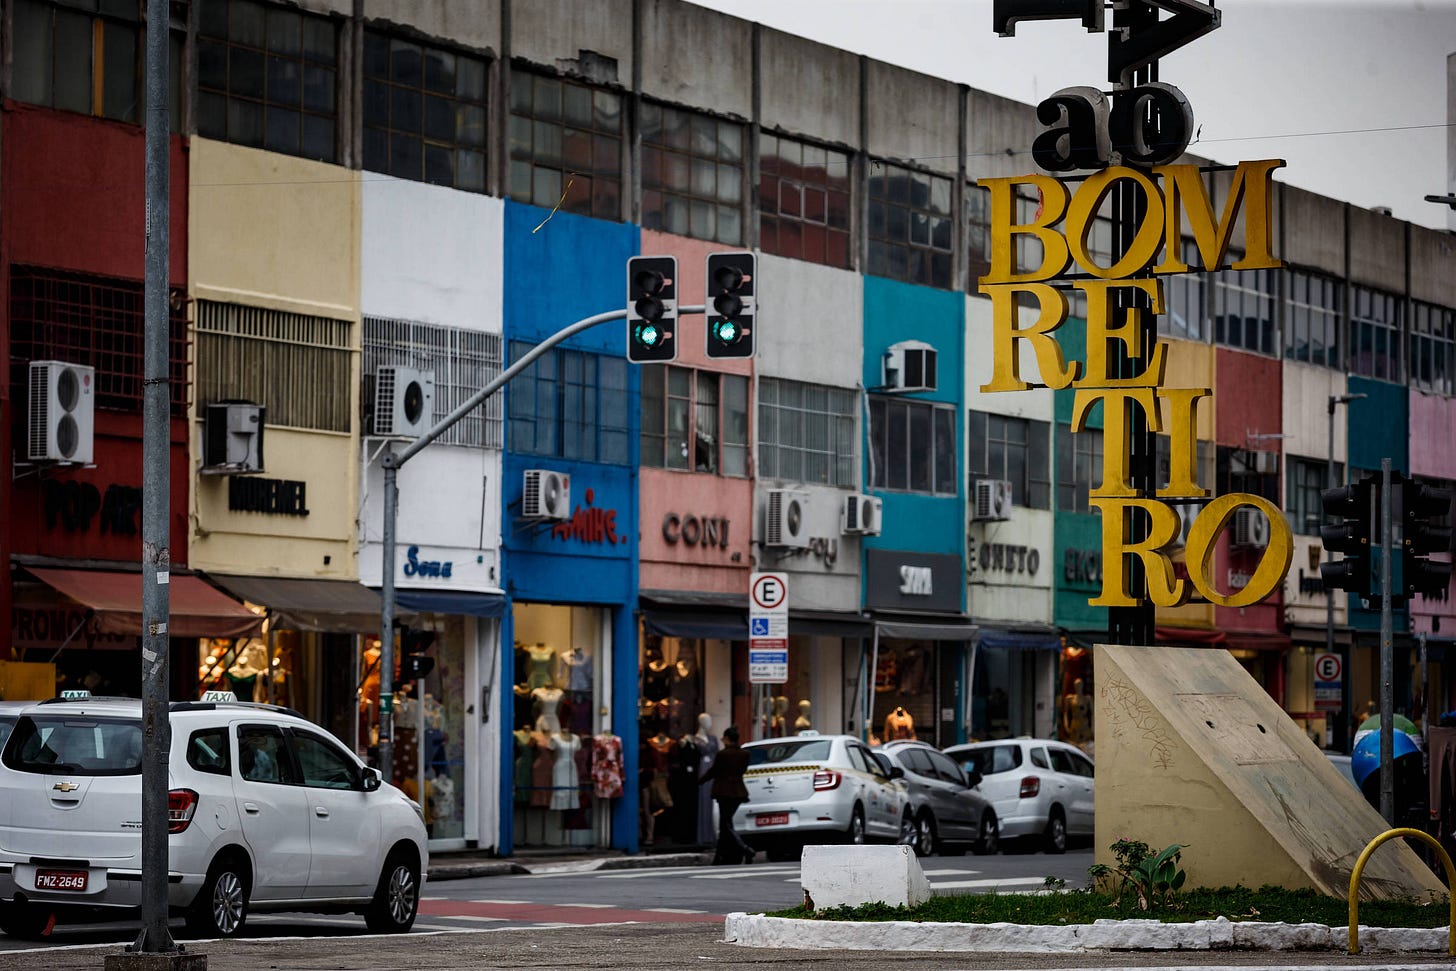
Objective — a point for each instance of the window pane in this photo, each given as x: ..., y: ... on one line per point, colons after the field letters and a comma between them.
x: 121, y: 83
x: 73, y: 61
x: 946, y: 465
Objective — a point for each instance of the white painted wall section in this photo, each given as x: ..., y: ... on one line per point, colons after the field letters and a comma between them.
x: 852, y: 875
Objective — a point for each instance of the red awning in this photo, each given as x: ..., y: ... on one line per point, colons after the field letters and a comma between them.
x: 197, y: 610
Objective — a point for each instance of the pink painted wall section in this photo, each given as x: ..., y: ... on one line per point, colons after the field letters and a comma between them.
x: 1248, y: 397
x: 685, y: 518
x: 692, y: 263
x: 1432, y: 434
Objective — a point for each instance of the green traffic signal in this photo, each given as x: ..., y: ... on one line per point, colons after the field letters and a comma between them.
x: 651, y: 309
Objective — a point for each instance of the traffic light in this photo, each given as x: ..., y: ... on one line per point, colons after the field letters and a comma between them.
x: 413, y: 664
x: 1420, y: 504
x: 1355, y: 505
x: 731, y: 304
x: 651, y: 309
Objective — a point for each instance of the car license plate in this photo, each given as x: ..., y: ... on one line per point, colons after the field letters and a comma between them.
x: 60, y: 879
x: 771, y: 819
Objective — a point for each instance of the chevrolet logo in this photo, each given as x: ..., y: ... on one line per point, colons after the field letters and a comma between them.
x: 66, y: 786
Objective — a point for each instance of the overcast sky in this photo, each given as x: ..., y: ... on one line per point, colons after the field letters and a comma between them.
x: 1352, y: 93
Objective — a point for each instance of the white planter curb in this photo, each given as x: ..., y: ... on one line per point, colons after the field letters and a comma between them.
x: 756, y: 930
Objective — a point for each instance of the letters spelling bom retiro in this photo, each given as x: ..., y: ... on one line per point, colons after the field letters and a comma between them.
x: 1173, y: 192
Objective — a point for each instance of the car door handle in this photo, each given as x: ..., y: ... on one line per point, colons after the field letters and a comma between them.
x: 251, y: 808
x: 320, y: 811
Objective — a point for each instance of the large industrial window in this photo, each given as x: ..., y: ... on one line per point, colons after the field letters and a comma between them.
x: 299, y: 366
x: 803, y: 201
x: 1243, y: 309
x: 267, y: 77
x: 694, y: 420
x: 1375, y: 323
x: 566, y: 145
x: 462, y: 361
x: 806, y: 432
x: 913, y: 446
x: 95, y: 321
x: 1313, y: 330
x: 1015, y: 449
x: 570, y: 405
x: 692, y: 174
x: 910, y: 225
x: 1433, y: 348
x: 1079, y: 467
x: 88, y: 56
x: 424, y: 112
x: 1304, y: 481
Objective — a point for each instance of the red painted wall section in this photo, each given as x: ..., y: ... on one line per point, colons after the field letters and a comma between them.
x: 1248, y: 401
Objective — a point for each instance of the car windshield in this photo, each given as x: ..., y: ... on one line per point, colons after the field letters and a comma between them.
x: 797, y: 750
x: 76, y: 745
x: 7, y: 725
x: 991, y: 759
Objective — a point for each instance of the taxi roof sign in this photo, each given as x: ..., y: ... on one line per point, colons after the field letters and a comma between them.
x: 219, y: 696
x: 75, y: 694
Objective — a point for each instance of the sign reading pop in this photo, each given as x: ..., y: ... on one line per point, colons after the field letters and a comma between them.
x: 1061, y: 229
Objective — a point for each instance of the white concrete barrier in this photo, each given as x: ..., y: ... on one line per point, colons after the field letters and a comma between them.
x: 853, y: 875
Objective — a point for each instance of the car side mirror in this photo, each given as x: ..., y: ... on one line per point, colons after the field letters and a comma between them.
x: 372, y: 780
x: 896, y: 772
x: 973, y: 779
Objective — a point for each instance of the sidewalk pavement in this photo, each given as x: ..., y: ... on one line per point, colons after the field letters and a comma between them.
x: 467, y: 864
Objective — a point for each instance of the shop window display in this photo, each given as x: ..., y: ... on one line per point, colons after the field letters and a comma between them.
x: 677, y: 744
x: 904, y: 696
x: 1074, y: 719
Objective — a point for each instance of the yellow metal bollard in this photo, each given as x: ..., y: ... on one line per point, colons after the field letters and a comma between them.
x: 1354, y: 947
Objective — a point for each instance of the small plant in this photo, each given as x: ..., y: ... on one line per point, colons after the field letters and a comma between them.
x: 1154, y: 878
x: 1053, y: 883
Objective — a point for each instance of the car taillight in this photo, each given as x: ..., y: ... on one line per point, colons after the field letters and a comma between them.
x: 181, y: 804
x: 826, y: 779
x: 1030, y: 786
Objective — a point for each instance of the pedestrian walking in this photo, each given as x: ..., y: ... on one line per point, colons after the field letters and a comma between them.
x: 729, y: 793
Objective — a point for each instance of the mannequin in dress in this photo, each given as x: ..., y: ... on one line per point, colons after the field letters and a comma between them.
x: 1077, y: 714
x: 564, y: 776
x: 899, y: 724
x: 540, y: 662
x: 575, y: 670
x: 802, y: 723
x: 707, y: 753
x: 543, y: 769
x: 546, y: 701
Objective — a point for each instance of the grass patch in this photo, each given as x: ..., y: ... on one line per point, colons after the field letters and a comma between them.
x: 1086, y: 906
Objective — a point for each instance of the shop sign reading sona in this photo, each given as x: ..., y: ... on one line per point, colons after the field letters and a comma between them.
x: 1061, y: 229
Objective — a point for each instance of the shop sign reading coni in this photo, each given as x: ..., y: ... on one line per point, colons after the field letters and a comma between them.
x: 1062, y: 226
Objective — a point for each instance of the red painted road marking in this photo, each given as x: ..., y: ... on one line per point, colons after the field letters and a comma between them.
x: 555, y: 913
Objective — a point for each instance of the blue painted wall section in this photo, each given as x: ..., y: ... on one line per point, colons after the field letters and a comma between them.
x: 894, y: 312
x: 559, y: 270
x: 1077, y: 535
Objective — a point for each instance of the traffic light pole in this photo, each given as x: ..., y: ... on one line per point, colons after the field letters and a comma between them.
x: 1387, y: 655
x: 391, y: 463
x: 1343, y: 740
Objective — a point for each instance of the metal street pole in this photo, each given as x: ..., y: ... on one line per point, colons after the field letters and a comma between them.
x: 1342, y: 735
x: 391, y: 462
x: 156, y: 496
x: 1387, y: 656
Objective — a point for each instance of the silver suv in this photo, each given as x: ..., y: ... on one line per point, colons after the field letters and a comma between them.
x: 948, y: 813
x: 266, y: 811
x: 1041, y: 788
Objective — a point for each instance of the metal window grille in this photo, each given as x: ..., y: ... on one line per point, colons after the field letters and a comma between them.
x: 1375, y: 326
x: 1433, y: 348
x: 909, y: 225
x: 803, y: 201
x: 565, y: 145
x: 806, y: 432
x: 692, y: 174
x: 572, y: 405
x: 463, y: 362
x: 1312, y: 332
x: 96, y: 321
x: 298, y: 366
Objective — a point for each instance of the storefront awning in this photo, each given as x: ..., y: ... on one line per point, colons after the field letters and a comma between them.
x: 1229, y: 640
x: 196, y: 609
x: 946, y: 630
x: 468, y: 602
x: 705, y: 624
x: 335, y: 606
x: 828, y: 623
x: 1013, y: 639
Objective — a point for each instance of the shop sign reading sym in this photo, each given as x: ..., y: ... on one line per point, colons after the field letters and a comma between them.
x: 1062, y: 227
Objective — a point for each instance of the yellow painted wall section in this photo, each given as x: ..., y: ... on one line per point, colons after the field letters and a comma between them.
x: 283, y: 233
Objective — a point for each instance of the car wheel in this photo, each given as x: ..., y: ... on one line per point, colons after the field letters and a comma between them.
x: 990, y: 836
x: 221, y: 907
x: 780, y: 853
x: 1054, y: 838
x: 855, y: 834
x: 925, y: 837
x: 24, y: 921
x: 397, y: 898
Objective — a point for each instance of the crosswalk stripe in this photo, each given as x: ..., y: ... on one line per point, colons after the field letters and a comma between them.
x: 987, y: 884
x: 675, y: 910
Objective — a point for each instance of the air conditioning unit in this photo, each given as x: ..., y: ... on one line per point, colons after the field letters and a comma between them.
x: 909, y: 366
x: 62, y: 412
x: 993, y: 500
x: 861, y: 514
x: 785, y: 516
x: 404, y: 401
x: 1266, y: 463
x: 232, y: 438
x: 546, y: 495
x: 1251, y: 528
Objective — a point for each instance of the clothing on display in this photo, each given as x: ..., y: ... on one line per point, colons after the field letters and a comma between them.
x: 542, y: 770
x: 899, y: 725
x: 547, y: 699
x: 576, y: 670
x: 540, y: 665
x: 564, y: 771
x: 523, y: 765
x: 707, y: 745
x: 607, y: 771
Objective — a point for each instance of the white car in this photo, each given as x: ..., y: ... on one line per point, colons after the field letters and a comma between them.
x: 1041, y: 788
x: 813, y: 788
x: 266, y: 811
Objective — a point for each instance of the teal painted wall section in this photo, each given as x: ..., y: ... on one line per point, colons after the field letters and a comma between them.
x: 1075, y: 534
x: 1378, y: 425
x: 894, y: 312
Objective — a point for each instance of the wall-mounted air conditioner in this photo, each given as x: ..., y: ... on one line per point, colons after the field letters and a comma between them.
x: 232, y: 438
x: 62, y: 412
x: 785, y: 519
x: 1251, y: 528
x: 861, y: 514
x: 546, y: 495
x: 404, y: 401
x: 1266, y: 463
x: 909, y: 366
x: 992, y: 500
